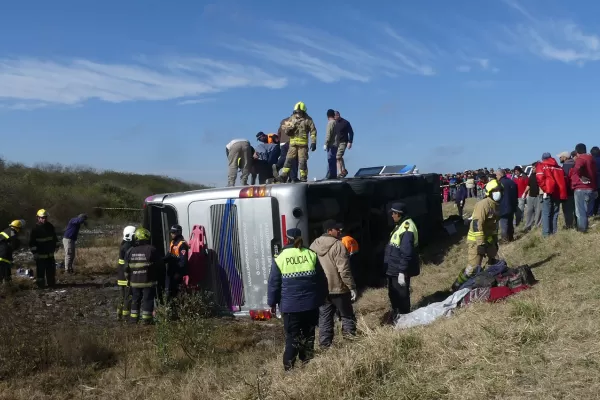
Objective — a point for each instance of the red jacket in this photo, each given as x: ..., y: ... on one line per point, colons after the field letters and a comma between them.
x: 585, y: 167
x: 551, y: 179
x: 522, y: 183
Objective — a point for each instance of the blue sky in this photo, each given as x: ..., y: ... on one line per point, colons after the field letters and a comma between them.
x: 161, y: 87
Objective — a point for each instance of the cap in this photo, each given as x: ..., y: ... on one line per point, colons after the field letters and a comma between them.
x: 293, y: 233
x: 546, y: 155
x: 564, y: 154
x: 399, y: 208
x: 259, y: 134
x: 331, y: 224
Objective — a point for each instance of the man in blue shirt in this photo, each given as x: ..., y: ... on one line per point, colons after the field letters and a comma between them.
x: 70, y: 238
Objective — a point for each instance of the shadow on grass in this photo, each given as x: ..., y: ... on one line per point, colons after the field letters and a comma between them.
x: 544, y: 261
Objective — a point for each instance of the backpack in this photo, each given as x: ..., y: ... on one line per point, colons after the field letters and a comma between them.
x: 289, y: 125
x: 516, y: 277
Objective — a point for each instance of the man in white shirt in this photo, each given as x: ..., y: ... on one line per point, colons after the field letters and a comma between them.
x: 238, y: 149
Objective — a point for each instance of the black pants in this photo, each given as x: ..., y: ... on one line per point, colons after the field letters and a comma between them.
x: 299, y: 336
x: 142, y: 300
x: 45, y: 272
x: 5, y: 273
x: 264, y: 170
x: 460, y: 210
x: 333, y: 303
x: 399, y: 295
x: 124, y: 301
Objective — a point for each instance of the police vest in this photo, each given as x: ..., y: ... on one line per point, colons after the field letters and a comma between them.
x: 174, y: 249
x: 351, y: 244
x: 294, y: 263
x: 406, y: 226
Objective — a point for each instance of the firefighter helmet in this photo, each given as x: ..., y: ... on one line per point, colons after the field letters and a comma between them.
x: 42, y: 213
x: 492, y: 186
x: 128, y: 233
x: 300, y: 106
x: 142, y: 234
x: 17, y: 224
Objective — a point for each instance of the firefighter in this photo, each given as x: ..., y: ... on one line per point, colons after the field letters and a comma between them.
x: 9, y: 242
x: 298, y: 127
x: 141, y: 265
x: 482, y: 239
x: 43, y: 243
x: 124, y: 299
x: 176, y: 264
x: 402, y: 259
x: 298, y: 285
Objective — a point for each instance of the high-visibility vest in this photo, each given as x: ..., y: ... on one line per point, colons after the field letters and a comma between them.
x: 295, y: 263
x: 407, y: 226
x: 6, y: 237
x: 351, y: 244
x: 270, y: 137
x: 174, y: 249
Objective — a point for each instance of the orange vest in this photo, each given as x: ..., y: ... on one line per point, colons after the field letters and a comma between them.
x: 270, y: 136
x: 175, y: 249
x: 351, y: 244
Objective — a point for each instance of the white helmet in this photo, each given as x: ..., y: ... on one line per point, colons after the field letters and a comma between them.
x: 128, y: 233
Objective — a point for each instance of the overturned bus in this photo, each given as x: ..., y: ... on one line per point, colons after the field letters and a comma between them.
x: 245, y: 226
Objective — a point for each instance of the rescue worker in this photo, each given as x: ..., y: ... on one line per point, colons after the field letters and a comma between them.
x: 142, y: 262
x: 482, y: 239
x: 265, y: 156
x: 352, y: 247
x: 124, y: 299
x: 402, y: 259
x: 333, y: 257
x: 43, y: 243
x: 298, y: 285
x: 298, y: 127
x: 331, y: 146
x: 9, y: 242
x: 176, y: 264
x: 239, y: 155
x: 70, y: 239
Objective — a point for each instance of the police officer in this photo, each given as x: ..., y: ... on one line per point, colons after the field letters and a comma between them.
x: 43, y: 243
x: 298, y: 285
x: 141, y: 264
x: 176, y: 263
x: 298, y: 127
x: 9, y: 242
x: 402, y: 259
x: 124, y: 299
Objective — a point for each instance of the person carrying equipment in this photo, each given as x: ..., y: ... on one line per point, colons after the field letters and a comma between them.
x: 124, y: 299
x: 9, y: 242
x: 482, y: 239
x: 141, y: 266
x: 43, y: 243
x: 297, y: 127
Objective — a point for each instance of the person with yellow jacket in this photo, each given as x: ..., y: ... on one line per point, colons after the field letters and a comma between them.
x: 9, y: 242
x: 482, y: 239
x: 298, y: 127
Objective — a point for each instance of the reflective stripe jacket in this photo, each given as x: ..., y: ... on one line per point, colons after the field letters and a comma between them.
x: 178, y: 262
x: 121, y: 274
x: 141, y: 265
x: 484, y: 222
x: 9, y: 242
x: 297, y: 282
x: 43, y: 240
x: 298, y: 127
x: 401, y: 253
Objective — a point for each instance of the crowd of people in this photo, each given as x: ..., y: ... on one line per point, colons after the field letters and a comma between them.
x: 283, y: 156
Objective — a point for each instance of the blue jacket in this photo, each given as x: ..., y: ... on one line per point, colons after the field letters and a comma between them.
x: 510, y: 197
x: 403, y: 259
x: 268, y: 152
x: 296, y: 294
x: 461, y: 194
x: 72, y: 229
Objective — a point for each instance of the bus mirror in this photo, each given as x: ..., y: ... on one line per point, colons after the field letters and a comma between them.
x: 297, y: 213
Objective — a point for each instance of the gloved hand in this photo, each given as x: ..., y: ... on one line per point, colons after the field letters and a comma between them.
x: 401, y: 280
x: 352, y: 295
x: 481, y: 250
x: 274, y: 309
x: 313, y: 146
x: 325, y: 147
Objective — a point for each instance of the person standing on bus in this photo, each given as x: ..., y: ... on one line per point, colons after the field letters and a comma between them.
x: 298, y: 127
x: 265, y: 156
x: 345, y: 137
x: 333, y: 256
x: 330, y: 146
x: 239, y: 155
x: 298, y: 285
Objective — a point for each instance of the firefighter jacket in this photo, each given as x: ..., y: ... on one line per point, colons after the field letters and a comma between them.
x: 43, y: 241
x: 141, y: 265
x: 484, y: 222
x: 177, y: 262
x: 9, y: 242
x: 298, y: 127
x: 122, y: 277
x: 401, y: 253
x: 297, y: 282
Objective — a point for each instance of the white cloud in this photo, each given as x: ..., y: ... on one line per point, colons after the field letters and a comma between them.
x: 552, y: 39
x: 414, y: 56
x: 194, y: 101
x: 30, y: 80
x: 463, y: 68
x: 484, y: 63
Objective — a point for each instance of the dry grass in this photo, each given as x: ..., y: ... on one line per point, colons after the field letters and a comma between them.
x: 540, y: 344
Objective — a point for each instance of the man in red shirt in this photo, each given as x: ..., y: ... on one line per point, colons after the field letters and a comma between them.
x: 551, y: 179
x: 583, y: 182
x: 522, y: 182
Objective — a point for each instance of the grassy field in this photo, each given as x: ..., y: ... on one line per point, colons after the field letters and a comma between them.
x: 539, y: 344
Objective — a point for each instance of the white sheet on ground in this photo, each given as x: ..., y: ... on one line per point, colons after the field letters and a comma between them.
x: 428, y: 314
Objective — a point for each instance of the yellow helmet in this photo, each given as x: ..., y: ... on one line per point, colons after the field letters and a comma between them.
x: 492, y: 186
x: 42, y: 213
x: 142, y: 234
x: 17, y: 224
x: 300, y: 106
